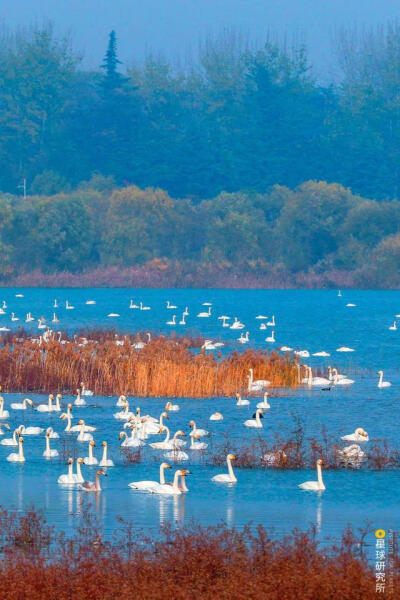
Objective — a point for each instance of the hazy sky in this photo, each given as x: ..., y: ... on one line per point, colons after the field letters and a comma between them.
x: 173, y: 26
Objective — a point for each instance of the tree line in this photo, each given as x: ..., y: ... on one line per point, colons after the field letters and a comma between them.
x: 316, y: 227
x: 235, y: 117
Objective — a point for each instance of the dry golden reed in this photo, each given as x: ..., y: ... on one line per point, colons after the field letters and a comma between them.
x: 164, y: 367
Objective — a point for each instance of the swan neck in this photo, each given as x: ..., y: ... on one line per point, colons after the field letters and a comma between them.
x: 230, y: 469
x: 104, y: 453
x: 319, y: 475
x: 162, y: 475
x: 20, y: 451
x: 258, y: 420
x: 176, y: 478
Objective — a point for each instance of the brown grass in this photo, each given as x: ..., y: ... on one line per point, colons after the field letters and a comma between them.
x: 164, y: 367
x: 194, y: 562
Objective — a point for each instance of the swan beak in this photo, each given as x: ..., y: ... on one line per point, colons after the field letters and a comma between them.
x: 233, y: 457
x: 168, y: 467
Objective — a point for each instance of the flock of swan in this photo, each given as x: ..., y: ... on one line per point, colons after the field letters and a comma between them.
x: 136, y: 428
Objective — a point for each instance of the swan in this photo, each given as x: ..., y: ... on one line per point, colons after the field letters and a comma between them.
x: 4, y: 414
x: 11, y: 441
x: 17, y: 456
x: 285, y: 349
x: 55, y: 304
x: 316, y: 380
x: 168, y: 489
x: 236, y: 324
x: 394, y: 326
x: 46, y: 407
x: 90, y: 459
x: 302, y: 353
x: 344, y: 349
x: 360, y: 435
x: 381, y: 383
x: 164, y: 444
x: 55, y: 318
x: 78, y: 477
x: 195, y: 431
x: 169, y: 305
x: 342, y: 380
x: 142, y: 307
x: 217, y: 416
x: 264, y: 403
x: 272, y: 322
x: 145, y: 485
x: 271, y: 338
x: 227, y: 477
x: 131, y: 442
x: 197, y: 445
x: 339, y: 294
x: 261, y: 317
x: 351, y: 304
x: 90, y: 486
x: 49, y: 453
x: 258, y: 385
x: 21, y: 405
x: 79, y: 401
x: 315, y: 486
x: 262, y: 326
x: 29, y: 318
x: 57, y: 407
x: 31, y: 430
x: 91, y: 302
x: 241, y: 401
x: 256, y: 421
x: 153, y: 426
x: 183, y: 319
x: 205, y: 314
x: 105, y: 462
x: 83, y: 436
x: 171, y: 407
x: 272, y: 459
x: 173, y: 321
x: 84, y: 391
x: 124, y: 414
x: 68, y: 306
x: 132, y: 305
x: 352, y: 452
x: 121, y: 400
x: 245, y: 339
x: 13, y: 317
x: 322, y: 353
x: 69, y: 477
x: 176, y: 454
x: 113, y: 315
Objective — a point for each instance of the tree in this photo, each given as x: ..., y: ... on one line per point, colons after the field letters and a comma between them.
x: 112, y: 79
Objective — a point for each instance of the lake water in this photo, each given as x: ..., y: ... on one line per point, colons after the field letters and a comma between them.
x: 312, y: 320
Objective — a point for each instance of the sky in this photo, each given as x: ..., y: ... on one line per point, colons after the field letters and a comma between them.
x: 173, y: 27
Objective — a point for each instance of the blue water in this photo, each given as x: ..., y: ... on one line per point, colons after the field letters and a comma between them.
x: 312, y: 320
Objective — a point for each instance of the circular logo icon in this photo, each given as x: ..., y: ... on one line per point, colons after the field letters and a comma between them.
x: 380, y: 533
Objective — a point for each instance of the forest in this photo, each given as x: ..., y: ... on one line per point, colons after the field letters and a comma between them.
x: 237, y: 167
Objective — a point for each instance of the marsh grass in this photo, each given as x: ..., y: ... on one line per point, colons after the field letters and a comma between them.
x: 202, y: 562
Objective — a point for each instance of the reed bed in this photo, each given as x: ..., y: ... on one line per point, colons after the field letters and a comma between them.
x: 201, y: 562
x: 164, y: 367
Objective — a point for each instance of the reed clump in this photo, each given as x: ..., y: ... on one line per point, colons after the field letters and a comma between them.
x: 202, y: 562
x: 162, y: 367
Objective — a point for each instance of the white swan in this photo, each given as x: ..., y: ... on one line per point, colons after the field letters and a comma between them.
x: 241, y: 401
x: 4, y: 414
x: 125, y: 414
x: 105, y: 462
x: 342, y: 380
x: 84, y: 391
x: 31, y: 430
x: 90, y: 459
x: 57, y: 407
x: 258, y: 385
x: 197, y: 445
x: 130, y: 442
x: 394, y: 326
x: 204, y: 314
x: 164, y: 444
x: 176, y: 455
x: 217, y: 416
x: 13, y: 317
x: 173, y: 321
x: 271, y: 338
x: 244, y: 339
x: 272, y: 322
x: 352, y: 453
x: 11, y: 441
x: 132, y: 305
x: 169, y: 305
x: 256, y: 422
x: 183, y: 319
x: 264, y: 403
x: 381, y: 383
x: 146, y: 485
x: 79, y: 401
x: 69, y: 477
x: 236, y: 324
x: 315, y: 486
x: 171, y: 407
x: 17, y: 456
x: 316, y: 380
x: 195, y: 431
x: 226, y: 477
x: 83, y: 436
x: 46, y: 407
x: 55, y: 318
x: 49, y: 453
x: 344, y: 349
x: 360, y: 435
x: 168, y: 489
x: 21, y: 405
x: 68, y: 306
